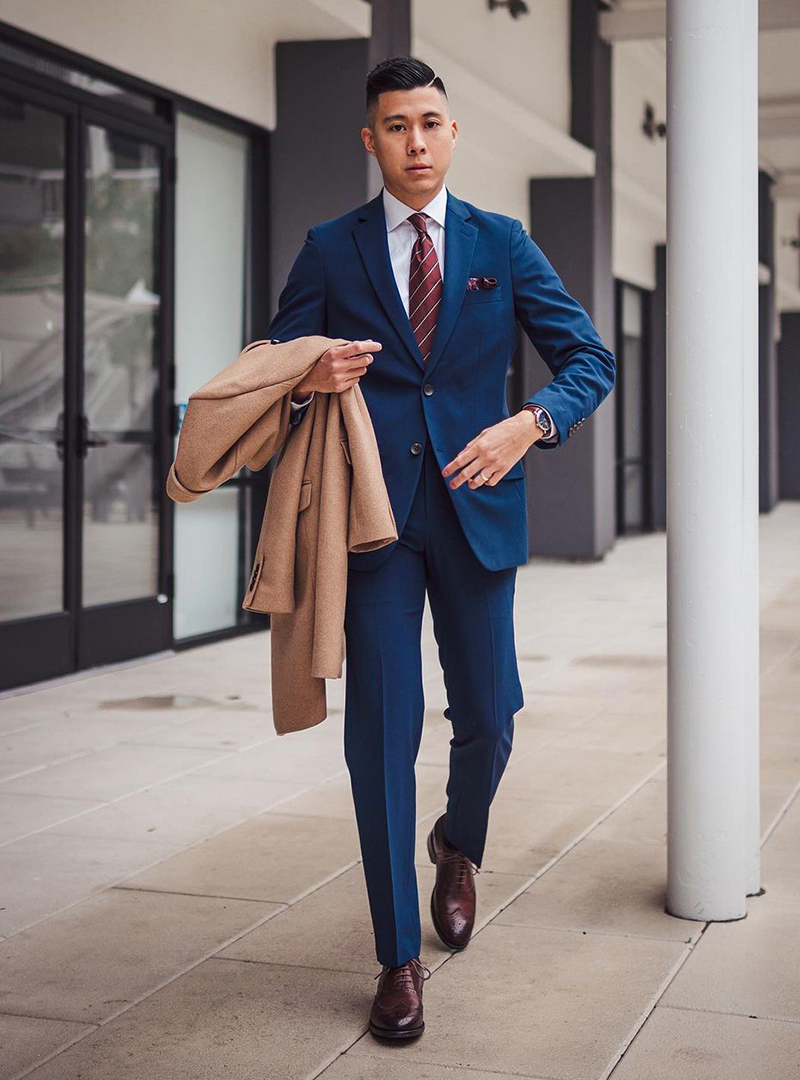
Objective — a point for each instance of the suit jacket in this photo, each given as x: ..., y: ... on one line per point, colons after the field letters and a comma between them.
x: 342, y: 281
x: 327, y: 497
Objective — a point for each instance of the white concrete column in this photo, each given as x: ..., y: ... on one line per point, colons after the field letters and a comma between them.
x: 750, y: 316
x: 711, y: 567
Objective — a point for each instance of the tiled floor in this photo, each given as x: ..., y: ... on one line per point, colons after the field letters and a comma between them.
x: 182, y: 895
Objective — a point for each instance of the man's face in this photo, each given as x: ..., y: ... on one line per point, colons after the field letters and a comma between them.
x: 412, y: 128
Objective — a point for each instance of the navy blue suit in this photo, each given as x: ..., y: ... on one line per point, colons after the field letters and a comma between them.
x: 460, y: 547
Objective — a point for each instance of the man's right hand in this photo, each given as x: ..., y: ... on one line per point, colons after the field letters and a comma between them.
x: 338, y: 369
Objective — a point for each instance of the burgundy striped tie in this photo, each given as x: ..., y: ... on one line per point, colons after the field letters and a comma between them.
x: 424, y: 286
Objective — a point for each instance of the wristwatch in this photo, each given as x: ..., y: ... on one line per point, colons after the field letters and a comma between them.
x: 542, y: 419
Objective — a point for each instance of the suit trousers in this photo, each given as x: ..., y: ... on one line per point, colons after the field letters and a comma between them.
x: 472, y: 613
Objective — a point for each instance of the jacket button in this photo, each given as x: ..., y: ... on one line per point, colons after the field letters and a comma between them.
x: 427, y: 389
x: 416, y: 448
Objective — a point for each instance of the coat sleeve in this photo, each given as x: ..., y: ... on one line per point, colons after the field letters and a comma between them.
x: 240, y: 417
x: 583, y: 369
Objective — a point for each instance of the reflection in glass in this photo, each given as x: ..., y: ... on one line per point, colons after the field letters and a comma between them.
x: 121, y: 343
x: 632, y: 451
x: 57, y: 69
x: 31, y: 359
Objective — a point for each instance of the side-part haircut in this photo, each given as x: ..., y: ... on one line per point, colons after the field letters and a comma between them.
x: 398, y: 73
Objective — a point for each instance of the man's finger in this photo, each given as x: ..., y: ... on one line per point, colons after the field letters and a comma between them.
x: 360, y: 348
x: 496, y: 477
x: 463, y: 475
x: 464, y: 457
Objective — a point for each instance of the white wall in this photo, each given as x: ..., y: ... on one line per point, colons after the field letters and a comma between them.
x: 527, y: 59
x: 220, y: 54
x: 640, y: 164
x: 787, y: 259
x: 508, y: 84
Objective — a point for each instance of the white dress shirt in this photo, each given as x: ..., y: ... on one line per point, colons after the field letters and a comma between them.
x: 401, y: 236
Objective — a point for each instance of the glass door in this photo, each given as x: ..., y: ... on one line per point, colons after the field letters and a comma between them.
x: 121, y: 394
x: 35, y: 474
x: 84, y: 433
x: 632, y: 395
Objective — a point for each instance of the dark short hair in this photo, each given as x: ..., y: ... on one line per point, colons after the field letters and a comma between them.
x: 398, y: 73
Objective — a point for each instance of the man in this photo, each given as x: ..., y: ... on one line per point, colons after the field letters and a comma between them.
x: 428, y: 289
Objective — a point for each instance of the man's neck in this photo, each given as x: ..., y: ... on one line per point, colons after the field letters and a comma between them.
x: 412, y: 203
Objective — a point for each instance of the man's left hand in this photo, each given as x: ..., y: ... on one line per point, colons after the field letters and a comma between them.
x: 494, y: 451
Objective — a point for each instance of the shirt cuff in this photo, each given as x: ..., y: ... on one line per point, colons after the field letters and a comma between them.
x: 301, y: 404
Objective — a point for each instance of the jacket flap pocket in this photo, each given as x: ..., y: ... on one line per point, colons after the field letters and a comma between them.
x: 346, y: 448
x: 516, y: 472
x: 305, y: 495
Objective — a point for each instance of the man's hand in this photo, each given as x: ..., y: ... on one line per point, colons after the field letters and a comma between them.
x: 337, y: 369
x: 494, y: 450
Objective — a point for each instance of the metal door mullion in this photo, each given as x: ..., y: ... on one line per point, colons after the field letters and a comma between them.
x: 76, y: 254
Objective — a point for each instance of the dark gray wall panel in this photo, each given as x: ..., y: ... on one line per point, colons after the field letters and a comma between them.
x: 789, y: 405
x: 658, y: 391
x: 767, y: 351
x: 571, y: 222
x: 318, y: 160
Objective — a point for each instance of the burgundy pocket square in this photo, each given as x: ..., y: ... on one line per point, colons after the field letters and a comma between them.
x: 481, y: 283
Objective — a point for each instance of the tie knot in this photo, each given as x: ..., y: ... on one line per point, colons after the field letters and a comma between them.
x: 418, y: 220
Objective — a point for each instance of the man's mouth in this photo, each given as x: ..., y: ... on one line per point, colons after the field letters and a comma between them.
x: 418, y: 168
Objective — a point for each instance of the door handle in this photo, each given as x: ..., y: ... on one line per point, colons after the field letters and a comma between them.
x: 87, y: 441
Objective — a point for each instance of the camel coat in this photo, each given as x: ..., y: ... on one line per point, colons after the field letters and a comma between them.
x: 327, y: 496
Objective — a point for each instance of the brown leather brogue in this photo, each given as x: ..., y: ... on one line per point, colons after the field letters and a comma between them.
x: 453, y: 900
x: 397, y: 1009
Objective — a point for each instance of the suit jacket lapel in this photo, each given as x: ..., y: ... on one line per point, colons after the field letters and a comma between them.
x: 459, y: 243
x: 370, y: 236
x: 369, y: 233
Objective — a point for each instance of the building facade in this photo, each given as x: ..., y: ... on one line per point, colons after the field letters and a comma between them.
x: 158, y: 173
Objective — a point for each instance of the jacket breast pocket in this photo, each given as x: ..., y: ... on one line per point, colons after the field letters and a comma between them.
x: 305, y: 495
x: 483, y: 296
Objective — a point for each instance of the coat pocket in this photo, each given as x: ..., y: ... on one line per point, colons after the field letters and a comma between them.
x: 305, y: 495
x: 346, y: 448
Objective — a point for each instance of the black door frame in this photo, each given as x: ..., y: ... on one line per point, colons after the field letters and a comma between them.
x: 621, y: 458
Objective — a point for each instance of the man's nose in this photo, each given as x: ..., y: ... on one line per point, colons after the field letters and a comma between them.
x: 416, y: 141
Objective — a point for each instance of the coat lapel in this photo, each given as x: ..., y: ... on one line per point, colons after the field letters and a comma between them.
x: 459, y: 237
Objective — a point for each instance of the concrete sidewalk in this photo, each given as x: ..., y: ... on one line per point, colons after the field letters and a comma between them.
x: 182, y: 895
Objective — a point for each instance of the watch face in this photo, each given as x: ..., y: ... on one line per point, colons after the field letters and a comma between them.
x: 542, y: 421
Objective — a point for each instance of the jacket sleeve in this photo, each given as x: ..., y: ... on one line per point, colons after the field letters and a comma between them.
x: 302, y: 302
x: 583, y: 369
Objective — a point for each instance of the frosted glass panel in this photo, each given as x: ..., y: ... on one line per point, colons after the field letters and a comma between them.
x: 209, y: 328
x: 207, y: 544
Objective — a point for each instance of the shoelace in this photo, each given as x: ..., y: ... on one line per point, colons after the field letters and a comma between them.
x: 465, y: 864
x: 403, y: 978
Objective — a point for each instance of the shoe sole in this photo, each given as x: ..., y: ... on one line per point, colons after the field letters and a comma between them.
x: 387, y: 1033
x: 434, y: 920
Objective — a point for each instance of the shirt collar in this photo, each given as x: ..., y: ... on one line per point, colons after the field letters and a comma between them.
x: 397, y: 212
